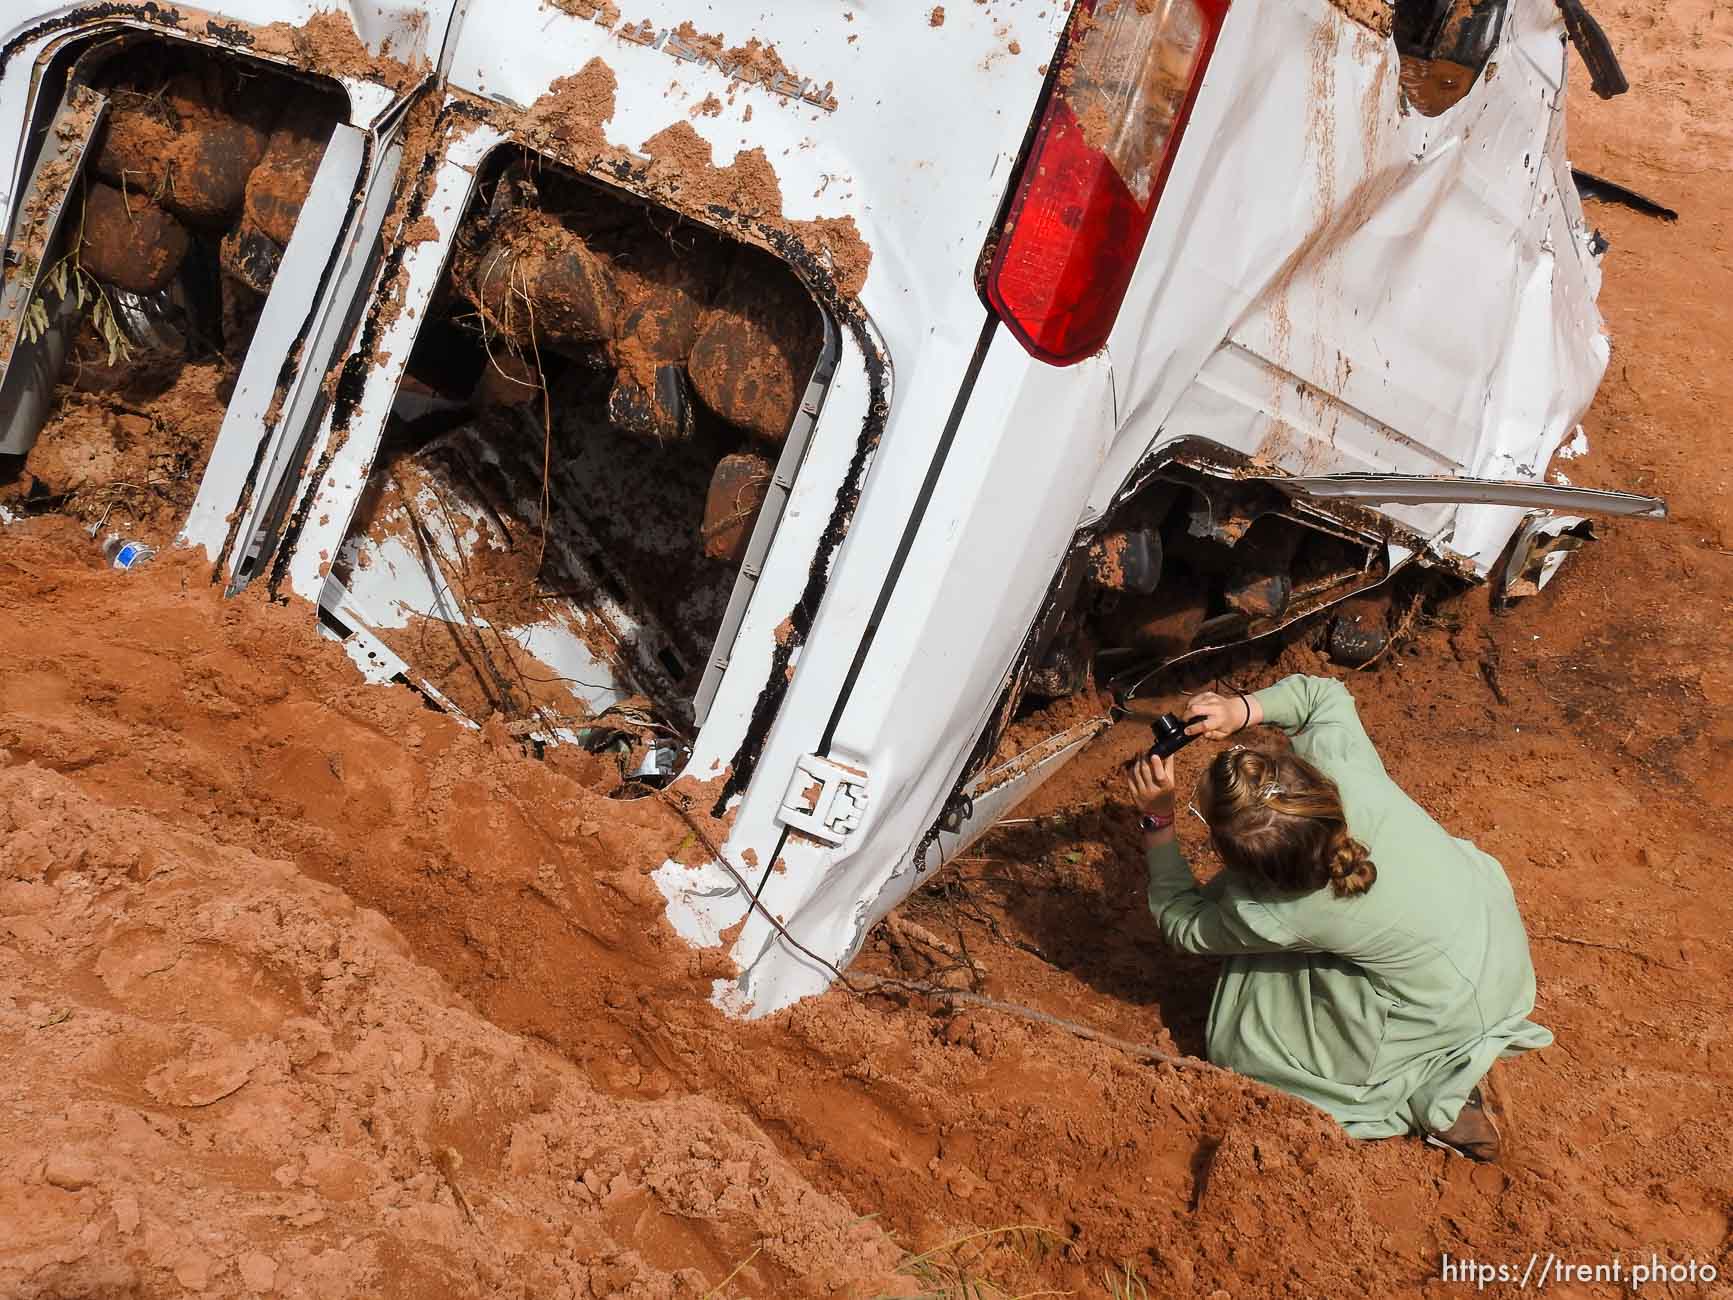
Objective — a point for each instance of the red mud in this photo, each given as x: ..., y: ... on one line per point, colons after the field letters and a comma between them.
x: 305, y: 990
x: 682, y: 173
x: 131, y: 465
x: 129, y: 240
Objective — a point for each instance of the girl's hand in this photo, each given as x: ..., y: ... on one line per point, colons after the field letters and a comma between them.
x: 1151, y: 782
x: 1216, y: 717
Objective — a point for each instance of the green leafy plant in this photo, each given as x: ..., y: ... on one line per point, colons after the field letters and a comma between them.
x: 70, y: 281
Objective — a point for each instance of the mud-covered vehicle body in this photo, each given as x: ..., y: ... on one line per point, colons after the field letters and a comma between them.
x: 802, y: 403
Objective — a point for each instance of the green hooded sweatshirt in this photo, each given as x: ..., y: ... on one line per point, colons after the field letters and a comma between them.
x: 1384, y: 1009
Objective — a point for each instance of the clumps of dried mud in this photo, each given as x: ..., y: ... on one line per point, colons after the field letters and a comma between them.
x: 240, y: 1082
x: 1052, y: 717
x: 677, y: 166
x: 682, y: 167
x: 327, y: 43
x: 237, y: 1079
x: 568, y: 119
x: 601, y: 11
x: 125, y: 462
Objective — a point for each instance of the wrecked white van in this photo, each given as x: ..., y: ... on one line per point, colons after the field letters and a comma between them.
x: 800, y: 404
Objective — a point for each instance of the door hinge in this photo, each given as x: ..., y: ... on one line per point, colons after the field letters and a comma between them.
x: 825, y: 800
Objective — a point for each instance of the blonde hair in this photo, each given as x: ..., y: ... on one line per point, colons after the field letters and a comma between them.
x: 1279, y: 820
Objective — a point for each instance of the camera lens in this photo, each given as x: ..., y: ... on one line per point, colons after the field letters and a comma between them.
x: 1170, y: 735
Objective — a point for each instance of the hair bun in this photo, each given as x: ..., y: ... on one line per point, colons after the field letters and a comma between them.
x: 1352, y: 870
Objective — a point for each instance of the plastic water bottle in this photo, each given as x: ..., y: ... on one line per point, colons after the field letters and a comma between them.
x: 124, y: 553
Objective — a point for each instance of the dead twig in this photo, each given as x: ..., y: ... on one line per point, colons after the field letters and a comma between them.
x: 448, y: 1162
x: 721, y: 1286
x: 911, y: 933
x: 1643, y: 957
x: 547, y: 427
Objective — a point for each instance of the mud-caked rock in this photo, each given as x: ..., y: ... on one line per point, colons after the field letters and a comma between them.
x: 130, y: 240
x: 756, y: 348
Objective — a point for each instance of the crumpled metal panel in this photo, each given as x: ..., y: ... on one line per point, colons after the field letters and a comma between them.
x: 1335, y: 284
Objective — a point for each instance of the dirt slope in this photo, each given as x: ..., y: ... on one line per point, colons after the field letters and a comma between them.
x: 238, y: 1079
x: 273, y: 944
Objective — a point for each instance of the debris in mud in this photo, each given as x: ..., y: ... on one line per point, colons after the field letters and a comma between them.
x: 1601, y: 190
x: 106, y: 459
x: 425, y: 953
x: 1185, y: 565
x: 172, y: 239
x: 610, y: 384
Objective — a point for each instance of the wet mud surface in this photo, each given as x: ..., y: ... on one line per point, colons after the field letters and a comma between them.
x: 311, y: 992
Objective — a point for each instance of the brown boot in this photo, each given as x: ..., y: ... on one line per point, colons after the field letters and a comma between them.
x: 1473, y: 1135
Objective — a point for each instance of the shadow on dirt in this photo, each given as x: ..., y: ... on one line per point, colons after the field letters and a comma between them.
x: 1069, y: 891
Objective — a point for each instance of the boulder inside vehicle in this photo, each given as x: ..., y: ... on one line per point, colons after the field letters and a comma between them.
x: 589, y: 426
x: 169, y: 241
x: 1187, y: 564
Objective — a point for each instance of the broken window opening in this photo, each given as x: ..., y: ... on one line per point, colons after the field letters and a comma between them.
x: 168, y: 244
x: 1445, y: 46
x: 1186, y: 565
x: 587, y: 430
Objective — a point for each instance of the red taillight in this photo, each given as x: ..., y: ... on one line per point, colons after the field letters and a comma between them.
x: 1089, y: 189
